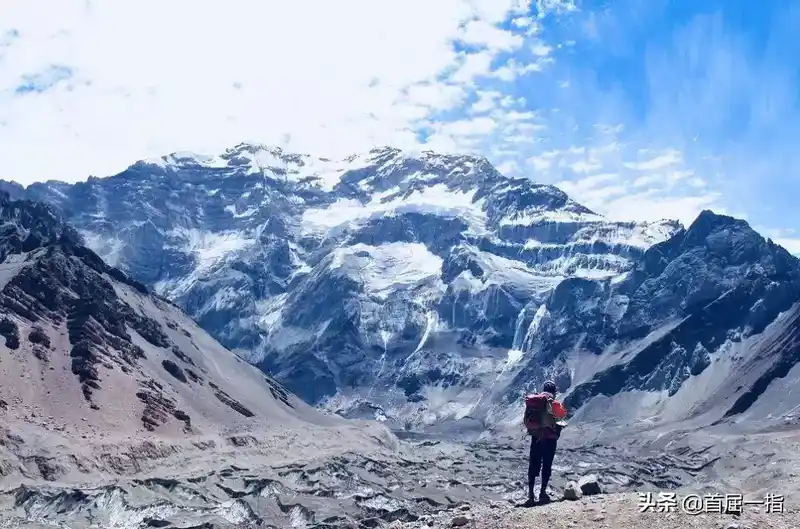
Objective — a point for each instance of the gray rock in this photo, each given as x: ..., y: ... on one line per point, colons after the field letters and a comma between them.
x: 572, y: 491
x: 589, y: 485
x: 459, y: 521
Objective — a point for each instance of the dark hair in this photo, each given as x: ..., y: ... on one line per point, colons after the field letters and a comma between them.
x: 549, y: 387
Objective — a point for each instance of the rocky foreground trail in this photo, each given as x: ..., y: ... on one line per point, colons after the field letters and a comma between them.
x: 410, y: 485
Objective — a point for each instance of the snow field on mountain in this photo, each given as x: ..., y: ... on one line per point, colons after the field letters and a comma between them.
x: 210, y: 248
x: 532, y: 217
x: 501, y: 271
x: 386, y: 268
x: 434, y: 200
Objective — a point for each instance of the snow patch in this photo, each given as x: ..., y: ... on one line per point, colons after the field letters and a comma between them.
x: 327, y: 173
x: 210, y: 248
x: 514, y: 356
x: 249, y: 212
x: 182, y: 158
x: 389, y: 267
x: 532, y: 218
x: 108, y: 248
x: 435, y: 200
x: 264, y: 159
x: 640, y: 235
x: 502, y: 271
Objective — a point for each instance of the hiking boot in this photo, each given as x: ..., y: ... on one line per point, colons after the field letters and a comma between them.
x: 530, y: 503
x: 543, y: 497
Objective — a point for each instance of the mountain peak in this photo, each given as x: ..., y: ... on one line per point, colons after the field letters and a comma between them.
x: 708, y: 219
x: 723, y: 240
x: 708, y: 224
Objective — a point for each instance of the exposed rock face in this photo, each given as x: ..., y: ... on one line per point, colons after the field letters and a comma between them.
x: 429, y: 289
x: 90, y: 348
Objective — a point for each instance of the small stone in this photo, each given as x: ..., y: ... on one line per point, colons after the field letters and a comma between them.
x: 459, y: 521
x: 465, y: 507
x: 589, y: 485
x: 572, y: 492
x: 732, y: 526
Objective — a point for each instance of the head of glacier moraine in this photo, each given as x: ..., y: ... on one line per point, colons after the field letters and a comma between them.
x: 425, y: 289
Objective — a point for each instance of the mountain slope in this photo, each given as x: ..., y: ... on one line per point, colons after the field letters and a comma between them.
x: 92, y: 363
x: 423, y: 288
x: 719, y: 305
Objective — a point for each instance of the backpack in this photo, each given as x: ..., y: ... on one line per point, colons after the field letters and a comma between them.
x: 539, y: 413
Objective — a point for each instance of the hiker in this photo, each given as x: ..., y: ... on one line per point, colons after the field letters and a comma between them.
x: 543, y: 420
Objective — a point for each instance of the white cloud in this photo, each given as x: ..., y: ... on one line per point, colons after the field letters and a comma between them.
x: 142, y: 78
x: 585, y: 166
x: 657, y: 185
x: 473, y: 65
x: 541, y: 163
x: 590, y: 182
x: 522, y: 22
x: 114, y: 82
x: 508, y: 167
x: 482, y: 33
x: 654, y: 206
x: 541, y: 50
x: 468, y: 127
x: 513, y: 69
x: 438, y: 96
x: 548, y: 7
x: 487, y: 100
x: 646, y: 180
x: 657, y: 163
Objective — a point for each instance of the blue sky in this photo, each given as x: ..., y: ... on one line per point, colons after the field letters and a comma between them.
x: 639, y: 109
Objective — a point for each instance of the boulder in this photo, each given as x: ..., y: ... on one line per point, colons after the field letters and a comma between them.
x: 572, y: 491
x: 460, y: 521
x: 589, y: 485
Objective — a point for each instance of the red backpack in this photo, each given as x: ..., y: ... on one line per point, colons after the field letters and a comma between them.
x: 539, y: 413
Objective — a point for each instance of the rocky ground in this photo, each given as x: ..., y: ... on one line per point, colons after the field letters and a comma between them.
x: 612, y: 511
x: 252, y: 482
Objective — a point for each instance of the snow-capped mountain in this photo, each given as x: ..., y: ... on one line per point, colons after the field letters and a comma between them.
x: 423, y: 288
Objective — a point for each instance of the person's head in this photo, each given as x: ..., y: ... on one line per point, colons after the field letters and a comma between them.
x: 549, y: 387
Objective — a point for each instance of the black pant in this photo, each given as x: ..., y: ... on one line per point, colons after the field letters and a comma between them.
x: 542, y: 453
